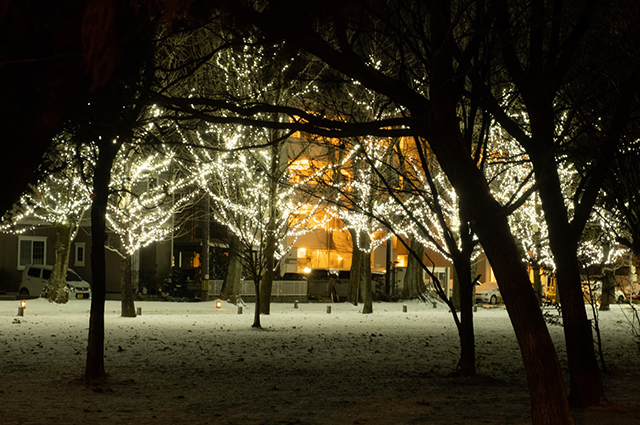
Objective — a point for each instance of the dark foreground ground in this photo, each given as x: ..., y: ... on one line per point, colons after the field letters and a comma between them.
x: 190, y: 364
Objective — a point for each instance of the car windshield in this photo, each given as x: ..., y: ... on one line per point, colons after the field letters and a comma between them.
x: 73, y: 277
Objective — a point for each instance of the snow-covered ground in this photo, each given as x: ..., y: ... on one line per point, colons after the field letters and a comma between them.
x: 190, y: 363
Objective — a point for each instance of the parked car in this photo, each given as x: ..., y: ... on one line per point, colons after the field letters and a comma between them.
x: 596, y: 292
x: 294, y: 276
x: 488, y: 292
x: 35, y: 278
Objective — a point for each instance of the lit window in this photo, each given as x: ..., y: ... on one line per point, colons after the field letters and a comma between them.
x: 31, y: 250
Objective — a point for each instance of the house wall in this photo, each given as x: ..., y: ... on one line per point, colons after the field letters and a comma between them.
x: 155, y: 264
x: 9, y: 258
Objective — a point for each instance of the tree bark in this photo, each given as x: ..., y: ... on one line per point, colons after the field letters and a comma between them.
x: 55, y: 290
x: 608, y: 289
x: 270, y: 246
x: 366, y: 290
x: 413, y: 285
x: 585, y: 379
x: 232, y: 282
x: 94, y: 368
x: 268, y: 277
x: 455, y: 290
x: 467, y: 363
x: 127, y: 305
x: 546, y: 385
x: 256, y: 315
x: 204, y: 251
x: 356, y: 270
x: 537, y: 281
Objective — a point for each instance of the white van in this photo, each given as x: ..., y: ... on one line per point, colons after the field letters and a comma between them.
x: 35, y: 277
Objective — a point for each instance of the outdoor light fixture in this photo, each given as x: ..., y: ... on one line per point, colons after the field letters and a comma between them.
x: 23, y: 305
x: 218, y: 304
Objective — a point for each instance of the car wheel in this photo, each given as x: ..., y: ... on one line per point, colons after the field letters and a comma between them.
x: 24, y: 292
x: 620, y: 299
x: 493, y: 300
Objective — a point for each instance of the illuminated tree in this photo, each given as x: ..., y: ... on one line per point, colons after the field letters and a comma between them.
x: 362, y: 204
x: 146, y: 196
x: 226, y: 69
x: 510, y: 174
x: 59, y: 199
x: 426, y: 79
x: 436, y: 56
x: 616, y: 218
x: 249, y: 192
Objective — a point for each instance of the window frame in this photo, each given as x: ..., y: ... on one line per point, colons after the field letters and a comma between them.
x: 31, y: 239
x: 80, y: 246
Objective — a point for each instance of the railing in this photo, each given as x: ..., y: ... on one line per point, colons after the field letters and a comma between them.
x: 280, y: 288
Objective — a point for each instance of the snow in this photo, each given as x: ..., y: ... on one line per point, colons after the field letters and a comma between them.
x: 190, y: 363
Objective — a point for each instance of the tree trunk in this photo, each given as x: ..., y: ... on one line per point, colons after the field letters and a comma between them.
x: 537, y: 278
x: 204, y: 251
x: 537, y: 281
x: 268, y: 277
x: 546, y: 386
x: 413, y: 284
x: 55, y: 291
x: 608, y: 289
x: 256, y: 315
x: 467, y: 363
x: 94, y: 369
x: 127, y: 306
x: 270, y: 247
x: 356, y: 270
x: 586, y: 383
x: 366, y: 290
x: 455, y: 290
x: 232, y: 282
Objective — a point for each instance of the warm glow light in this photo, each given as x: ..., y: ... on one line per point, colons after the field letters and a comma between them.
x: 218, y: 304
x: 302, y: 252
x: 307, y: 270
x: 23, y: 304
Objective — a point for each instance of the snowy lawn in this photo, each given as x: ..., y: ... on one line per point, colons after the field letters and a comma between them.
x: 189, y: 363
